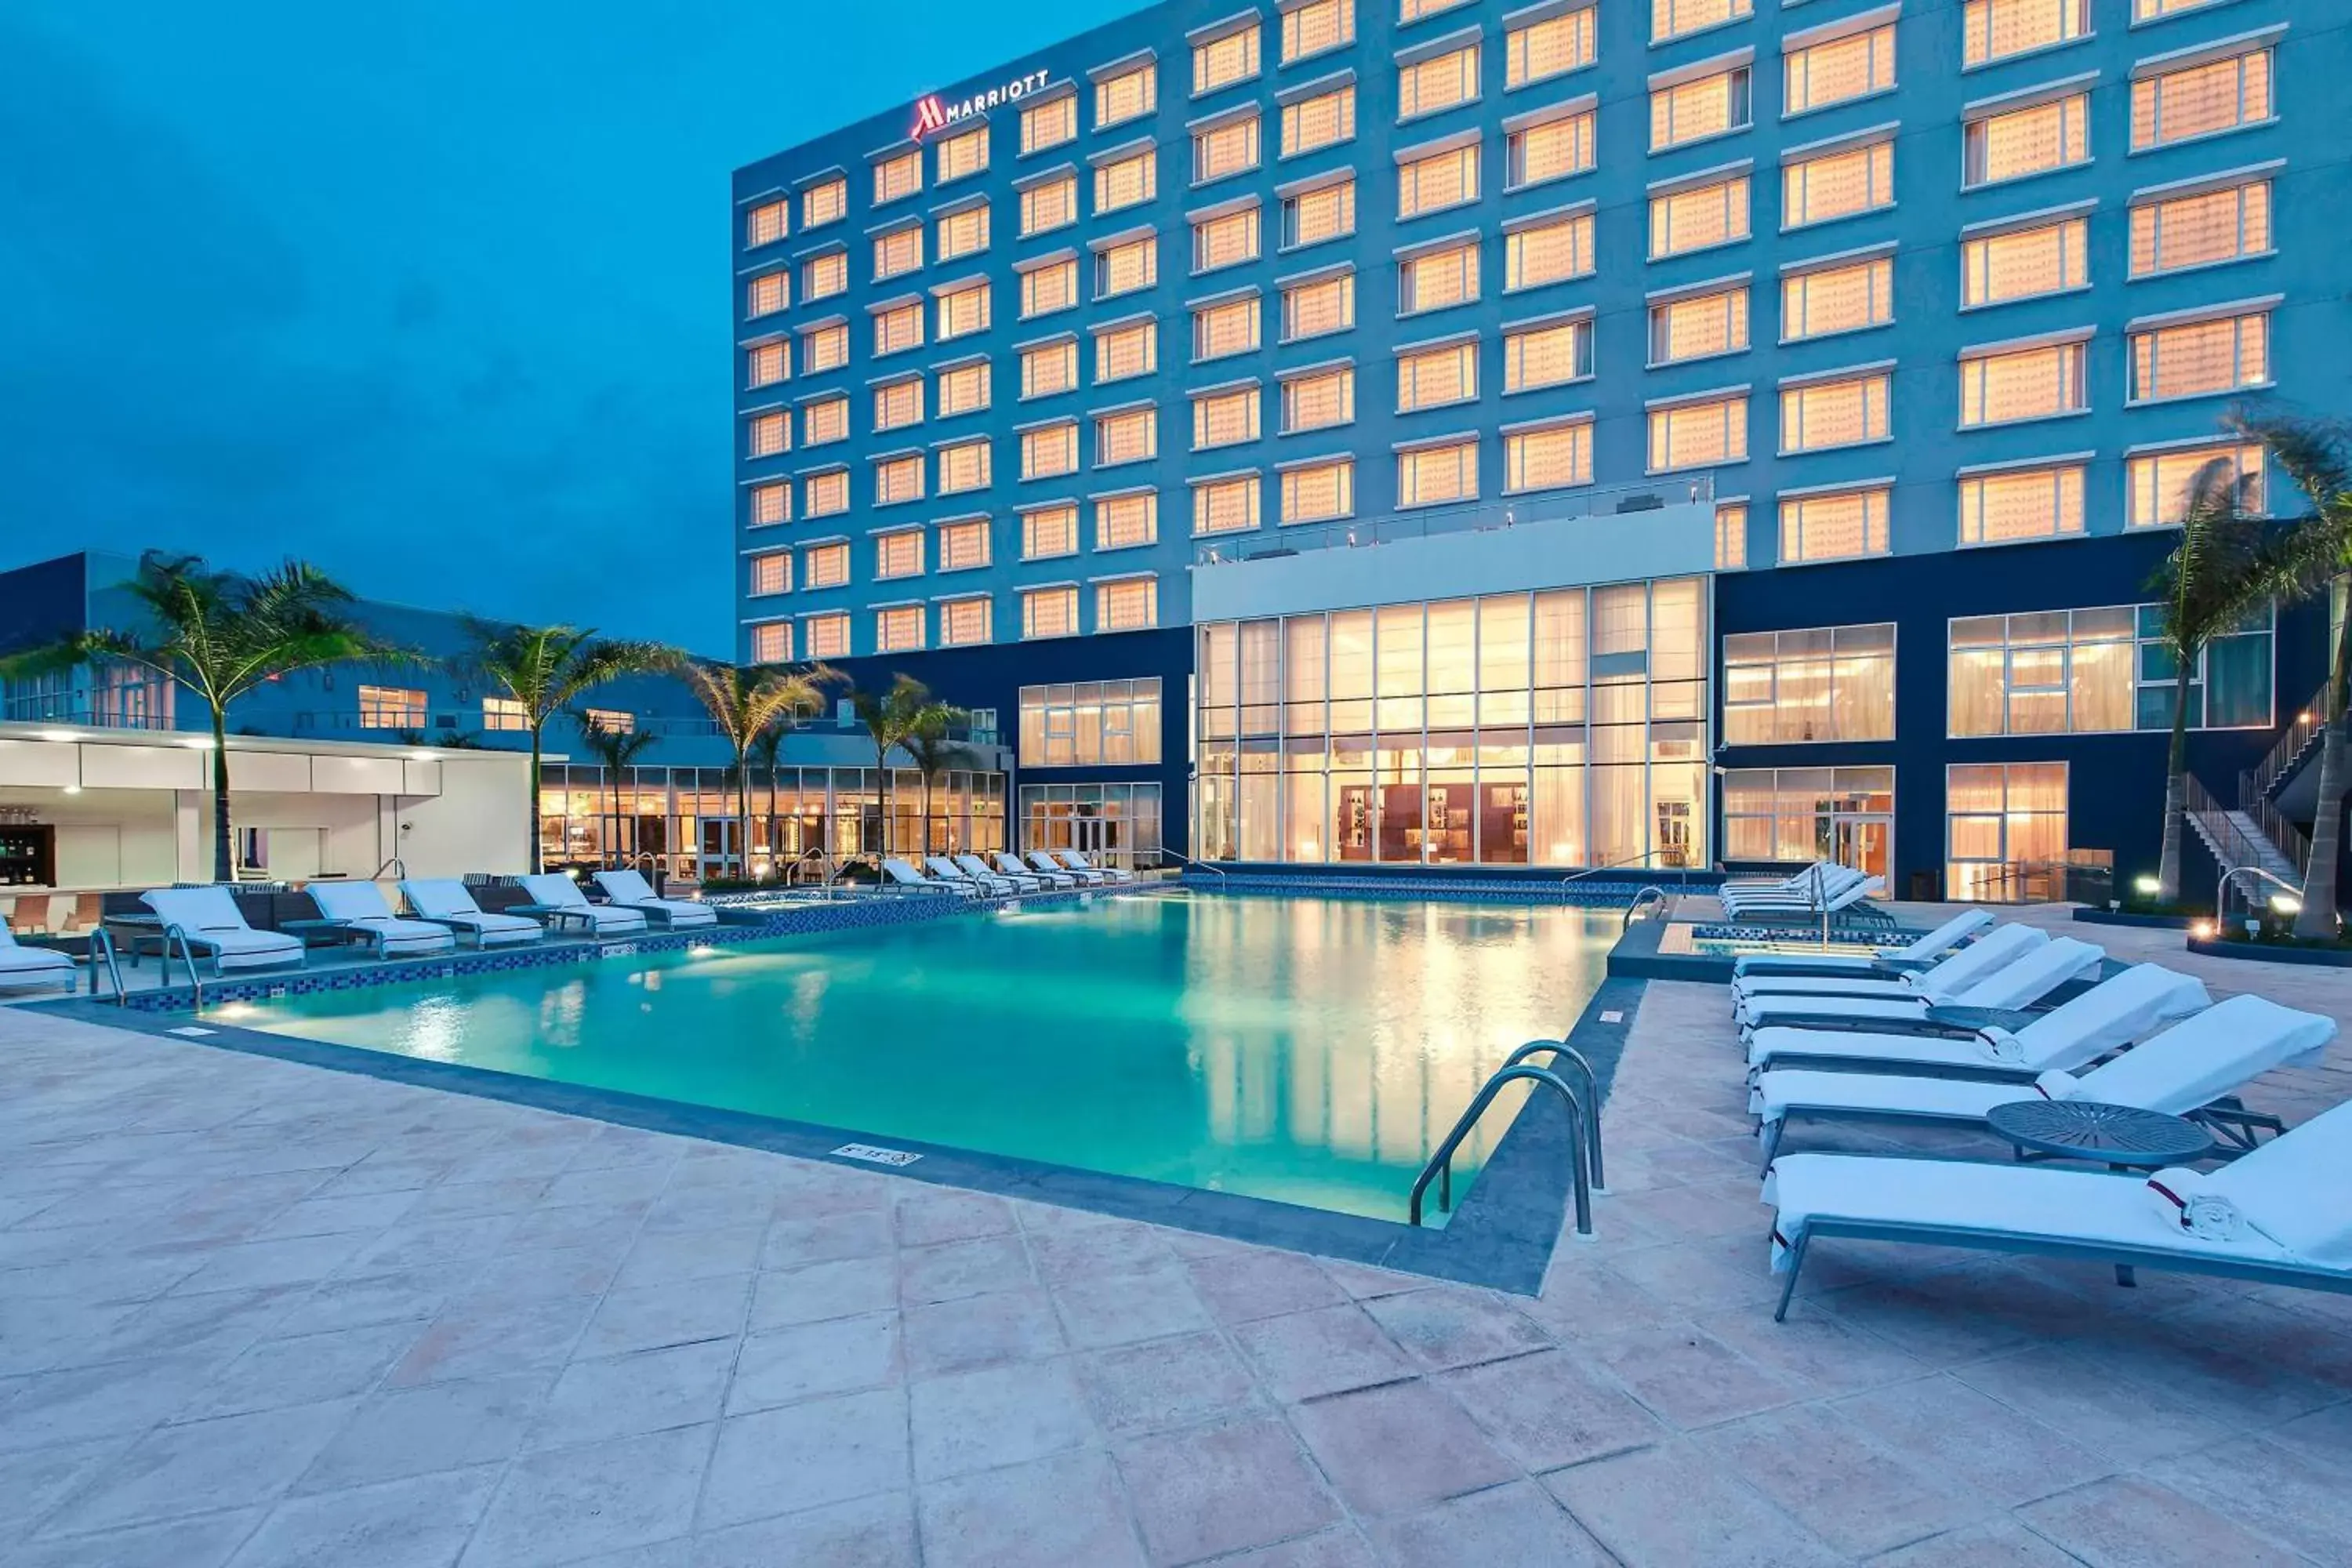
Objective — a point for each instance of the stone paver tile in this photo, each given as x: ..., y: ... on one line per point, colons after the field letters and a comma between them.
x: 955, y: 1269
x: 654, y: 1317
x: 1120, y: 1308
x: 806, y: 1456
x: 1550, y: 1409
x: 202, y: 1467
x: 1691, y: 1379
x: 568, y: 1503
x: 2120, y: 1420
x: 255, y: 1264
x: 464, y: 1343
x: 1701, y: 1276
x: 1514, y: 1526
x: 1948, y: 1429
x: 204, y: 1542
x: 1939, y: 1326
x: 664, y: 1257
x: 1670, y: 1507
x: 1212, y: 1489
x: 422, y: 1523
x: 1454, y: 1327
x: 646, y: 1391
x: 417, y: 1242
x: 1821, y: 1353
x: 1398, y: 1447
x: 606, y: 1184
x: 1049, y: 1513
x: 308, y: 1368
x: 1261, y: 1283
x: 1330, y: 1350
x: 474, y: 1200
x: 358, y: 1303
x: 1825, y: 1474
x: 822, y: 1238
x: 2325, y: 1436
x: 1340, y: 1548
x: 439, y: 1427
x: 982, y: 1330
x: 870, y: 1533
x: 1582, y: 1299
x: 577, y: 1225
x: 111, y: 1399
x: 815, y: 1292
x: 2002, y: 1545
x: 1168, y: 1383
x: 928, y: 1216
x: 1362, y: 1281
x: 711, y: 1208
x: 1000, y: 1415
x: 33, y: 1480
x: 516, y: 1278
x: 325, y: 1217
x: 2129, y: 1521
x: 832, y: 1357
x: 2273, y: 1489
x: 1068, y: 1252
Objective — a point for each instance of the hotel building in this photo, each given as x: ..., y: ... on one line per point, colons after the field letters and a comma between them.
x: 1556, y: 435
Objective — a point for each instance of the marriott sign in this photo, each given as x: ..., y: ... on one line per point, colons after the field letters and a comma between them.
x: 934, y: 113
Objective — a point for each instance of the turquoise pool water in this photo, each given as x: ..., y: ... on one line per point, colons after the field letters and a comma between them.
x: 1305, y: 1049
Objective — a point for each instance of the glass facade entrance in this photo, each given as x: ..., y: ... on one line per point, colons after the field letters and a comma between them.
x: 1566, y: 727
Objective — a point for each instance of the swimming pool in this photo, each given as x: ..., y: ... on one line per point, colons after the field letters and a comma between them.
x: 1305, y: 1049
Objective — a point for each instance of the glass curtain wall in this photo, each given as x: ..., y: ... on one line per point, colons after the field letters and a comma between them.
x: 1119, y: 820
x: 1566, y: 727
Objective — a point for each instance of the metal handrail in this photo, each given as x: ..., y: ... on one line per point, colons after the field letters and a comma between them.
x: 1644, y: 859
x: 2221, y: 893
x: 2257, y: 780
x: 1640, y: 899
x: 1219, y: 871
x: 188, y: 952
x: 1562, y: 1050
x: 1441, y: 1164
x: 101, y: 945
x: 395, y: 865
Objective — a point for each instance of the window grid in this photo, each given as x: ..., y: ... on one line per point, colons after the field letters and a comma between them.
x: 1830, y: 186
x: 1839, y: 526
x: 1838, y: 70
x: 2028, y: 140
x: 1225, y: 506
x: 1555, y: 457
x: 1823, y: 301
x: 2200, y: 358
x: 2025, y: 383
x: 1319, y: 492
x: 1688, y: 111
x: 1821, y: 416
x: 1553, y: 47
x: 2022, y: 503
x: 2200, y: 100
x: 2202, y: 229
x: 2022, y: 263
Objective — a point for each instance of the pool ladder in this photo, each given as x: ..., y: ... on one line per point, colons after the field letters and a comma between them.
x: 1585, y: 1169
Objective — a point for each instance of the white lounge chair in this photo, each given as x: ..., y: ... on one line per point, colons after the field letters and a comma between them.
x: 21, y: 966
x: 448, y: 903
x: 2281, y: 1214
x: 2108, y: 1018
x: 1941, y: 982
x: 629, y: 891
x: 2015, y: 985
x: 1919, y: 953
x: 1019, y: 881
x: 1790, y: 883
x: 988, y: 883
x: 559, y: 901
x: 361, y: 909
x: 900, y: 874
x: 1077, y: 862
x: 1808, y: 890
x: 1052, y: 876
x: 1089, y: 877
x: 2180, y: 1071
x: 1847, y: 894
x: 214, y: 925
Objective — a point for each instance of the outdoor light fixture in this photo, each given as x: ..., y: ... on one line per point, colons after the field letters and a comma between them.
x: 2202, y: 929
x: 2145, y: 884
x: 72, y: 789
x: 59, y: 735
x: 2286, y: 903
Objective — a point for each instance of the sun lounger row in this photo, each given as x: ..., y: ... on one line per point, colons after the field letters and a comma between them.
x: 1819, y: 890
x: 970, y: 877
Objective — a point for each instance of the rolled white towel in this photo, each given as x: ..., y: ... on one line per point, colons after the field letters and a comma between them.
x: 2187, y: 1198
x: 2057, y: 1085
x: 2000, y: 1046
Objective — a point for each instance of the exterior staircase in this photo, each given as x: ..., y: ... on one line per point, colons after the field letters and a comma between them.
x: 2255, y: 831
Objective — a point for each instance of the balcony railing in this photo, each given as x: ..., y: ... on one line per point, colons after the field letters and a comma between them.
x: 1472, y: 516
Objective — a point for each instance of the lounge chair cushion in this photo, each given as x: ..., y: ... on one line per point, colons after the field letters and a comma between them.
x: 2296, y: 1189
x: 1947, y: 978
x: 2107, y: 1016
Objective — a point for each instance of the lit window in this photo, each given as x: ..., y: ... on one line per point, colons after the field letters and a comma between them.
x: 964, y: 389
x: 1996, y: 29
x: 772, y: 643
x: 1698, y: 216
x: 1416, y: 10
x: 897, y: 479
x: 965, y: 622
x: 1126, y: 523
x: 823, y: 277
x: 1438, y: 181
x: 898, y: 176
x: 1225, y: 506
x: 1321, y: 400
x: 1699, y: 326
x: 1128, y: 606
x: 1125, y: 182
x: 826, y: 202
x: 1838, y: 70
x: 2022, y: 503
x: 1131, y: 436
x: 1831, y: 185
x: 1125, y: 267
x: 1049, y: 452
x: 1049, y: 613
x: 1553, y: 47
x: 1673, y: 19
x: 1323, y: 120
x: 1231, y: 148
x: 1425, y: 86
x: 1228, y: 327
x: 2156, y: 10
x: 1551, y: 354
x: 899, y: 404
x: 2210, y: 227
x: 1846, y: 297
x: 828, y: 637
x: 1435, y: 475
x: 1553, y: 457
x: 899, y: 328
x: 1224, y: 60
x: 1049, y: 532
x: 963, y: 546
x: 826, y: 494
x: 2104, y: 669
x: 963, y: 311
x: 2196, y: 359
x: 826, y: 565
x: 1549, y: 252
x: 1087, y: 724
x: 1050, y: 205
x: 765, y: 224
x: 1846, y: 411
x: 898, y: 554
x: 1124, y: 97
x: 1045, y: 125
x: 1048, y: 288
x: 772, y: 573
x: 824, y: 348
x: 1549, y: 149
x: 1706, y: 106
x: 2159, y: 486
x: 963, y: 233
x: 898, y: 252
x: 770, y: 504
x: 1797, y: 688
x: 766, y: 435
x: 2028, y: 140
x: 1319, y: 492
x: 2021, y: 263
x: 1130, y: 350
x: 1998, y: 386
x: 1049, y: 368
x: 965, y: 152
x: 1731, y: 538
x: 1319, y: 26
x: 1698, y: 434
x: 1225, y: 241
x: 1224, y: 418
x: 1319, y: 306
x: 1433, y: 377
x: 966, y: 466
x: 1327, y: 212
x: 611, y: 721
x: 764, y: 364
x: 1838, y: 526
x: 767, y: 294
x: 391, y: 708
x: 826, y: 420
x: 2202, y: 99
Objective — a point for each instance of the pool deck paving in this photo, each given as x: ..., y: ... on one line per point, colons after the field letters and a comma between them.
x: 256, y: 1313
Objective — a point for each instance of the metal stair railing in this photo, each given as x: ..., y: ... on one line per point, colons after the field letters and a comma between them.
x: 1559, y: 1051
x: 2256, y: 781
x: 1440, y: 1166
x: 2224, y: 837
x: 187, y: 950
x: 1651, y: 893
x: 101, y: 946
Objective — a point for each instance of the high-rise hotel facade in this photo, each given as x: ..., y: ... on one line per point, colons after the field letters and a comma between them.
x: 1454, y: 432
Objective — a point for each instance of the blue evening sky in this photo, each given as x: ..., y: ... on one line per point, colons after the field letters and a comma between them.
x: 433, y: 293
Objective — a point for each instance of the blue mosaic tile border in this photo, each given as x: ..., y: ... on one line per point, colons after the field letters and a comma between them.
x: 1595, y: 892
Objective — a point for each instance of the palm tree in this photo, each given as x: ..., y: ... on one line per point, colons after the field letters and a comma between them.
x: 927, y: 742
x: 745, y: 700
x: 614, y: 749
x: 768, y: 755
x: 891, y: 719
x: 544, y: 670
x: 220, y: 635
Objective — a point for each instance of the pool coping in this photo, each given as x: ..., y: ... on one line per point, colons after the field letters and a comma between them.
x: 1501, y: 1236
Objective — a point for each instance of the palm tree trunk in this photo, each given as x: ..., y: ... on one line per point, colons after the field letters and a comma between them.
x: 2176, y: 782
x: 743, y: 812
x: 224, y: 844
x: 2316, y: 921
x: 882, y: 794
x: 532, y: 857
x: 926, y: 813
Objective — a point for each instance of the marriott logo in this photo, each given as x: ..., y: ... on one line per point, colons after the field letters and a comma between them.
x: 934, y: 113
